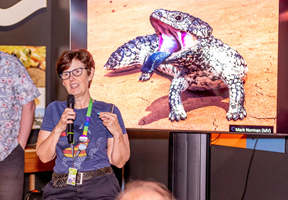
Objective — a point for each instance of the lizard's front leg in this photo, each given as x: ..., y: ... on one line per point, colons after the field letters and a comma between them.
x: 236, y: 97
x: 177, y: 112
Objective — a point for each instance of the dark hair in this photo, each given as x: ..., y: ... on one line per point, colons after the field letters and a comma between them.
x: 65, y: 60
x: 150, y: 185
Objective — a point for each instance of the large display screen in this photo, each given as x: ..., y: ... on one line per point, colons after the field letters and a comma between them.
x: 212, y: 66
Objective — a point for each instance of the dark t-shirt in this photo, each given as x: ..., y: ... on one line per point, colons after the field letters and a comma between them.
x: 95, y: 155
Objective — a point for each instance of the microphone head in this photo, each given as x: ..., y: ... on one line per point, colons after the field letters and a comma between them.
x: 70, y: 101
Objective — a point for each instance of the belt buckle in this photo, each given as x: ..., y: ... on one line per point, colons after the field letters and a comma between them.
x: 81, y: 178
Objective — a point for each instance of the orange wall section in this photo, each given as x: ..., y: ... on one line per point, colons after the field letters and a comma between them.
x: 231, y: 140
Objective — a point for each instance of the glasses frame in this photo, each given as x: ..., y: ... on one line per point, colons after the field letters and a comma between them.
x: 72, y: 71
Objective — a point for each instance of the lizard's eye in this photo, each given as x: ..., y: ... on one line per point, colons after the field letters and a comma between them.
x: 178, y: 18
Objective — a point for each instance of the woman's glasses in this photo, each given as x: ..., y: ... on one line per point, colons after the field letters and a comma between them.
x: 76, y: 72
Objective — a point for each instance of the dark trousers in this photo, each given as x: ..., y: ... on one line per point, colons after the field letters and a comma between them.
x: 12, y: 175
x: 100, y: 188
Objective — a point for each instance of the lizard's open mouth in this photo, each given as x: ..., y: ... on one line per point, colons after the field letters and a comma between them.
x: 171, y: 39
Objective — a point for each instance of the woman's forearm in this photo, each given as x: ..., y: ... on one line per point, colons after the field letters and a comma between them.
x: 47, y: 141
x: 120, y: 152
x: 46, y: 145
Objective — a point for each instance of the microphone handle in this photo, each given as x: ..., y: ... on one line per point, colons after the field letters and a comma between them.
x: 70, y: 127
x: 70, y: 133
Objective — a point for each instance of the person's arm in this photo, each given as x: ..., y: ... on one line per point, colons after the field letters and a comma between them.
x: 26, y: 122
x: 118, y: 147
x: 47, y: 141
x: 46, y: 145
x: 118, y: 150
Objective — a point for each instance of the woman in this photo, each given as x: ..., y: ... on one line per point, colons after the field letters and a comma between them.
x: 105, y: 142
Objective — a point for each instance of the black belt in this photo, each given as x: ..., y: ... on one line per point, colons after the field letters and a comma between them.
x: 60, y: 180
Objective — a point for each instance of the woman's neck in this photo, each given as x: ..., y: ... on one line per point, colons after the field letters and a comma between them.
x: 82, y: 101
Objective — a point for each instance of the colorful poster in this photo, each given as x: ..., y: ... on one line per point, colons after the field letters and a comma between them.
x: 34, y: 60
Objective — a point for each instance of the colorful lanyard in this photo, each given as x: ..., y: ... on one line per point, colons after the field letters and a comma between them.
x: 88, y: 117
x: 83, y: 138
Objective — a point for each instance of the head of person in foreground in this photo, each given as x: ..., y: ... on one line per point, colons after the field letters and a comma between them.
x: 145, y: 190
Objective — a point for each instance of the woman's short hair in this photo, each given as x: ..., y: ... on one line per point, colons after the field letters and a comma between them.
x: 148, y: 185
x: 65, y: 60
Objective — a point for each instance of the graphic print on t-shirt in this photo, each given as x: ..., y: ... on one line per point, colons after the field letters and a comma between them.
x: 83, y: 155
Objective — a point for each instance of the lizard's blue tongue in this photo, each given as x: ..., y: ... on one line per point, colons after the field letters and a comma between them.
x: 154, y: 61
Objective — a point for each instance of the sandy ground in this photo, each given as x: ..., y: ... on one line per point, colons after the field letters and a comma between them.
x: 250, y: 27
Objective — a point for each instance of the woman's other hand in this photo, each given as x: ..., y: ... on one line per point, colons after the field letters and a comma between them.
x: 110, y: 121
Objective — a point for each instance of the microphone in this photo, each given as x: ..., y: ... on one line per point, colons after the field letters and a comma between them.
x: 70, y: 127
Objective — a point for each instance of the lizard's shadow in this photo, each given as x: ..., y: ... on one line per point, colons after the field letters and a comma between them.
x: 159, y: 109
